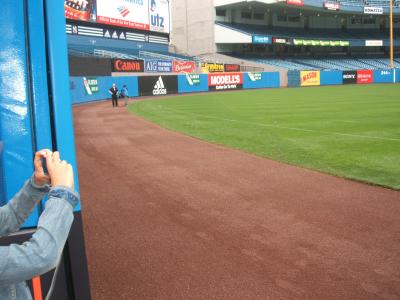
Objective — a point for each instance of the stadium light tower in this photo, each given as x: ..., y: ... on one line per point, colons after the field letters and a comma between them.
x: 391, y: 32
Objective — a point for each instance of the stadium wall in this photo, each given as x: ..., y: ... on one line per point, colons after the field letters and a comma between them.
x: 331, y: 77
x: 193, y: 26
x: 88, y: 88
x: 83, y: 90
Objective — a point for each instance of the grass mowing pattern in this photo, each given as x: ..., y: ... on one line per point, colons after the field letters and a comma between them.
x: 352, y: 131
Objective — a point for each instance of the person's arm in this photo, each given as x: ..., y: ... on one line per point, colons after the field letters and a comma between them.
x: 42, y: 252
x: 17, y: 210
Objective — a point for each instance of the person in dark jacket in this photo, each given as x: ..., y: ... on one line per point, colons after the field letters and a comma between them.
x: 114, y: 95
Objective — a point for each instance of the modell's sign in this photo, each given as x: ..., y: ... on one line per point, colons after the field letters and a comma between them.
x: 127, y: 65
x: 183, y: 66
x: 331, y: 5
x: 295, y: 2
x: 231, y: 81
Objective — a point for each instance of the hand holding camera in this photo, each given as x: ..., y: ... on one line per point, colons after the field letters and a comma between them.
x: 59, y: 172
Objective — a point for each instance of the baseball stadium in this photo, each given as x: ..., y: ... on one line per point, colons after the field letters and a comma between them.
x: 222, y: 149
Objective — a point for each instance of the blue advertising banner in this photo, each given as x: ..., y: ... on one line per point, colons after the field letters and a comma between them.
x: 86, y: 89
x: 397, y: 75
x: 157, y: 66
x: 261, y: 39
x: 383, y: 76
x: 331, y: 77
x: 190, y: 83
x: 258, y: 80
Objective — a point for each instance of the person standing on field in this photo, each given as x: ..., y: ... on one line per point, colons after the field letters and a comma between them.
x: 125, y: 94
x: 114, y: 95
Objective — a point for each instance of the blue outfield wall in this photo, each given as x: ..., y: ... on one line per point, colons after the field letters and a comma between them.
x: 191, y: 83
x: 383, y: 76
x: 258, y: 80
x: 397, y: 75
x: 293, y: 78
x: 331, y: 77
x: 79, y: 93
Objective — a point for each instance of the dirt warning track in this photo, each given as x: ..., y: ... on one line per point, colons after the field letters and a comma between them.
x: 170, y: 217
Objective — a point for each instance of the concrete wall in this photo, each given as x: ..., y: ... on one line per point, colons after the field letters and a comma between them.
x: 192, y: 26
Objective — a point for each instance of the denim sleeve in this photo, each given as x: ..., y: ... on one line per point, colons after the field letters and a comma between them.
x: 42, y: 252
x: 17, y: 210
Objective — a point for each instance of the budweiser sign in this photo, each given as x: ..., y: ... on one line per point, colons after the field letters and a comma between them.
x: 183, y: 66
x: 128, y: 65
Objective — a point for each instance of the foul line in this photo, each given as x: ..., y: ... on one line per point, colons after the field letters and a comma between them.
x: 284, y: 127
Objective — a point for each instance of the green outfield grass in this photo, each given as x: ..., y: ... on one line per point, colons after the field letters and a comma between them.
x: 351, y: 131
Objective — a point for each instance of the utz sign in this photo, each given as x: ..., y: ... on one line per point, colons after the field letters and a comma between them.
x: 225, y: 81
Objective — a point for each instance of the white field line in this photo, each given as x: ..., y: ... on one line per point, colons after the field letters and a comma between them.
x: 285, y: 127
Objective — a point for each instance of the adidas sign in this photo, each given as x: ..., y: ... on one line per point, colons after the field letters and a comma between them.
x: 159, y: 88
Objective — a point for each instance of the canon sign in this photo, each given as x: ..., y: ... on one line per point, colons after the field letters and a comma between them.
x: 225, y: 81
x: 128, y: 65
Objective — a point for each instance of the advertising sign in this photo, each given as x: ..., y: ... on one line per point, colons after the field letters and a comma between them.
x: 383, y: 76
x: 158, y: 85
x: 212, y: 67
x: 295, y: 2
x: 79, y: 10
x: 365, y: 76
x: 91, y: 85
x: 231, y: 81
x: 127, y: 65
x: 373, y: 43
x: 231, y: 68
x: 279, y: 40
x: 126, y: 13
x: 190, y: 83
x: 157, y: 65
x: 349, y: 77
x: 373, y: 10
x: 261, y: 39
x: 309, y: 78
x: 159, y: 15
x: 179, y: 66
x: 331, y: 5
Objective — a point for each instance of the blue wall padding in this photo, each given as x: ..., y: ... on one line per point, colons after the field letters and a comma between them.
x: 383, y: 76
x: 16, y: 140
x: 80, y: 95
x: 293, y: 78
x: 255, y: 80
x: 331, y: 77
x: 195, y: 83
x: 397, y: 76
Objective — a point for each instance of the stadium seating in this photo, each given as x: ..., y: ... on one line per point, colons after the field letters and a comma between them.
x: 309, y: 33
x: 85, y: 50
x: 328, y: 63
